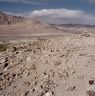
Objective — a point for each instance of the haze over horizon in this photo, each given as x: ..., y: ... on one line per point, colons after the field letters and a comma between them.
x: 53, y: 11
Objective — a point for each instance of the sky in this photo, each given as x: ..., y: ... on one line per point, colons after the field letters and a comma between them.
x: 53, y: 11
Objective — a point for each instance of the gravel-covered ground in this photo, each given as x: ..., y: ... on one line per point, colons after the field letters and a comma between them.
x: 59, y: 66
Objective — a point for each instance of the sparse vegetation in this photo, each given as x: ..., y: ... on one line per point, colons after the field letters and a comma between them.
x: 3, y: 47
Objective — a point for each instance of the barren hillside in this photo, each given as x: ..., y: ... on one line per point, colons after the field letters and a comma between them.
x: 20, y: 26
x: 6, y: 19
x: 16, y: 25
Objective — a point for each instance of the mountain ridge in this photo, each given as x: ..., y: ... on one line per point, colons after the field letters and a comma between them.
x: 7, y: 19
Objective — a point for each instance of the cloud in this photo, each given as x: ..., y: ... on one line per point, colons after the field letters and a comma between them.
x: 60, y: 16
x: 90, y: 1
x: 34, y: 2
x: 63, y: 16
x: 15, y: 14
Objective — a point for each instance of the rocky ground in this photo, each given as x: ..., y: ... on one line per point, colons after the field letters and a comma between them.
x: 57, y: 66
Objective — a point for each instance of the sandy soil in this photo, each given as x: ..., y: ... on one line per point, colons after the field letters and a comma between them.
x: 32, y: 28
x: 57, y: 66
x: 29, y: 28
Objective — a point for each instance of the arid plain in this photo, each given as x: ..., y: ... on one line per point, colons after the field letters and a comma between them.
x: 38, y: 59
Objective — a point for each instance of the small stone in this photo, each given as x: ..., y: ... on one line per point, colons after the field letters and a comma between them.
x: 33, y: 90
x: 26, y: 73
x: 5, y: 65
x: 71, y: 88
x: 6, y: 59
x: 86, y: 34
x: 26, y: 93
x: 1, y: 95
x: 28, y: 59
x: 1, y: 73
x: 58, y: 63
x: 49, y: 94
x: 5, y: 69
x: 72, y: 71
x: 13, y: 49
x: 33, y: 67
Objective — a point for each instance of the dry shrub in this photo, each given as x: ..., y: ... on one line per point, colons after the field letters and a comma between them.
x: 3, y: 47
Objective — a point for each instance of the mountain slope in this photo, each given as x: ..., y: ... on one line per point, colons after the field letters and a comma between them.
x: 9, y: 19
x: 22, y: 26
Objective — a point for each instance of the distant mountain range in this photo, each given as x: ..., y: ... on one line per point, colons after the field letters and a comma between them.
x: 7, y: 19
x: 23, y: 26
x: 74, y: 25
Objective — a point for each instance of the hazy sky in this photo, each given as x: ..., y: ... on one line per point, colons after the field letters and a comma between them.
x: 53, y: 11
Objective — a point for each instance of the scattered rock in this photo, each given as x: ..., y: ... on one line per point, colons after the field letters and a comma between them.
x: 26, y: 94
x: 49, y: 94
x: 5, y: 65
x: 71, y: 88
x: 14, y: 49
x: 57, y: 63
x: 22, y: 70
x: 86, y: 34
